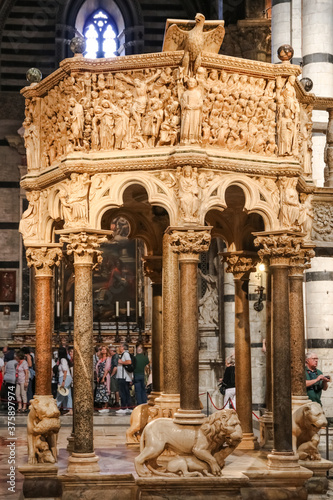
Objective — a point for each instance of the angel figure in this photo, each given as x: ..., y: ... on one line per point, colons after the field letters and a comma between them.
x: 193, y: 42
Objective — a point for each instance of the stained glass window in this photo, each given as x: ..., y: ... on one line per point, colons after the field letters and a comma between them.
x: 100, y: 32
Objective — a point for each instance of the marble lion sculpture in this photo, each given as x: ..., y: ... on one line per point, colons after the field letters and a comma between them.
x: 42, y: 427
x: 307, y: 423
x: 200, y: 450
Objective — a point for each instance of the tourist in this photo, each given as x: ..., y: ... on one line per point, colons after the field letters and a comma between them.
x: 22, y: 381
x: 9, y: 378
x: 95, y: 361
x: 64, y: 395
x: 2, y: 369
x: 228, y: 383
x: 103, y: 379
x: 124, y: 379
x: 31, y: 364
x: 316, y: 382
x: 141, y: 361
x: 55, y: 374
x: 114, y: 388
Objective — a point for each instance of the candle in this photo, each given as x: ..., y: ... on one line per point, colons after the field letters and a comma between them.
x: 70, y: 309
x: 58, y: 309
x: 117, y: 309
x: 140, y: 309
x: 128, y: 308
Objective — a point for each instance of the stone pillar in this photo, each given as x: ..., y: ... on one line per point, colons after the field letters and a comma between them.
x: 153, y: 269
x: 281, y: 26
x: 188, y: 243
x: 43, y: 259
x: 241, y: 264
x: 83, y: 244
x: 279, y: 247
x: 297, y: 339
x: 170, y: 398
x: 329, y: 150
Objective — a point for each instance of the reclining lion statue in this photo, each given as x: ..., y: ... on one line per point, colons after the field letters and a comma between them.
x: 200, y: 450
x: 42, y: 427
x: 308, y: 420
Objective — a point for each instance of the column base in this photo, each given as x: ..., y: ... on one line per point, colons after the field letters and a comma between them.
x: 188, y: 417
x: 297, y: 401
x: 169, y: 402
x: 283, y: 460
x: 83, y: 463
x: 266, y: 431
x: 70, y: 445
x: 248, y: 442
x: 152, y: 396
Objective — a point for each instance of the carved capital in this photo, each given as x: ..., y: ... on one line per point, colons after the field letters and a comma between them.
x: 280, y: 248
x: 43, y: 259
x: 85, y: 246
x: 189, y: 243
x: 152, y: 266
x: 240, y: 264
x: 301, y: 262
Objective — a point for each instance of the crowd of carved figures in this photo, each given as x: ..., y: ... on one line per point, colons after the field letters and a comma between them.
x: 149, y: 108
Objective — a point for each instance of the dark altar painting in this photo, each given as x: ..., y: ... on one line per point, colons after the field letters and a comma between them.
x: 7, y: 286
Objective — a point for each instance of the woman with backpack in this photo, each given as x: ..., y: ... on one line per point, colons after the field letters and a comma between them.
x: 64, y: 394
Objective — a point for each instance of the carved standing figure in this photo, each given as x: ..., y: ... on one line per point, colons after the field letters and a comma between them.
x: 306, y: 214
x: 29, y: 222
x: 290, y: 206
x: 74, y: 199
x: 188, y: 194
x: 208, y: 304
x: 191, y: 103
x: 77, y: 122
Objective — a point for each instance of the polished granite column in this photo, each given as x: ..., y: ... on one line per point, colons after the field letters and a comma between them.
x: 84, y: 245
x: 43, y: 260
x: 241, y: 264
x: 297, y: 334
x: 279, y: 247
x: 153, y: 269
x: 170, y: 398
x: 188, y: 243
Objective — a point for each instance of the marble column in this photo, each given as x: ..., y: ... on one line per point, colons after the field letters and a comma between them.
x: 170, y: 398
x: 43, y: 260
x: 297, y: 338
x: 329, y: 150
x: 188, y: 243
x: 153, y: 269
x: 281, y: 26
x: 241, y: 264
x: 84, y: 245
x: 279, y: 247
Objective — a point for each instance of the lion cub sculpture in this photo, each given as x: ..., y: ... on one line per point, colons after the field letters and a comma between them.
x: 200, y: 450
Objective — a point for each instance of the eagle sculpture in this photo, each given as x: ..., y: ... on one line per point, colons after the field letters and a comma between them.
x: 193, y: 42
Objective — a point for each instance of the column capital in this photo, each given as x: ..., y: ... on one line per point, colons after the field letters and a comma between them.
x: 152, y: 267
x: 189, y: 242
x: 240, y: 263
x: 84, y: 244
x: 280, y: 247
x: 301, y: 262
x: 43, y: 258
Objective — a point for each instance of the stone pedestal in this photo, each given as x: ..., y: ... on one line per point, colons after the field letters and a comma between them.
x: 188, y: 243
x: 41, y: 482
x: 318, y: 483
x: 266, y: 431
x: 84, y: 245
x: 241, y: 264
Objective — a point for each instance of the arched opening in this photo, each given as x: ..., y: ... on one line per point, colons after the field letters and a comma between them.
x: 100, y: 32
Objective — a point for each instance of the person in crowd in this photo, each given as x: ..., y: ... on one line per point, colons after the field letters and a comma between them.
x: 103, y: 368
x: 31, y: 364
x: 228, y: 382
x: 141, y: 361
x: 114, y: 389
x: 9, y: 378
x: 316, y: 382
x: 124, y: 379
x: 2, y: 369
x: 55, y: 374
x: 65, y: 381
x: 96, y: 355
x: 22, y: 381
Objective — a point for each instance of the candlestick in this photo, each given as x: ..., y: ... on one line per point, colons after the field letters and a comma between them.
x: 58, y: 309
x: 140, y: 309
x: 128, y: 308
x: 70, y: 309
x: 117, y: 309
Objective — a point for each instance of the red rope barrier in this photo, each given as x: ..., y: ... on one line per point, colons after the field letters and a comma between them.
x: 255, y: 415
x: 213, y: 402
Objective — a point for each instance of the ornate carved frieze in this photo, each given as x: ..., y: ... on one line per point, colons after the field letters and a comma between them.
x: 43, y: 259
x: 305, y: 138
x: 322, y: 228
x: 84, y: 246
x: 190, y: 241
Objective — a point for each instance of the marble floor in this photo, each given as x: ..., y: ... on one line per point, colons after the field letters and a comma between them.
x: 109, y: 437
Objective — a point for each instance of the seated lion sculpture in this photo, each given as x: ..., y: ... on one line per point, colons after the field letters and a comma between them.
x: 140, y: 417
x: 42, y: 427
x: 308, y: 420
x: 200, y: 450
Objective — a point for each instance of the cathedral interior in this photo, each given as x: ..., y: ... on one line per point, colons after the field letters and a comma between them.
x: 167, y: 180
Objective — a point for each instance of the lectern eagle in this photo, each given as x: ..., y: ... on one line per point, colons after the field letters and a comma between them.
x: 193, y: 42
